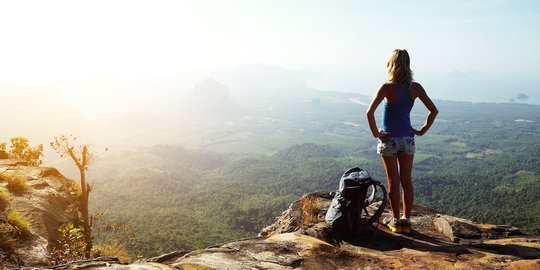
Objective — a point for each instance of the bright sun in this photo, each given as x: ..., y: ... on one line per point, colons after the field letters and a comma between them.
x: 50, y: 41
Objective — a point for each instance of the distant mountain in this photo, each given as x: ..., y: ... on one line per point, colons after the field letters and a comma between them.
x: 522, y: 96
x: 209, y: 101
x: 252, y: 81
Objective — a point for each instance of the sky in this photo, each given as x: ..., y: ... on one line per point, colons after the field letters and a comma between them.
x: 460, y: 50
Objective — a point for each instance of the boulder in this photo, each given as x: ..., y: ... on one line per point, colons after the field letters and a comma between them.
x: 305, y: 216
x: 459, y: 230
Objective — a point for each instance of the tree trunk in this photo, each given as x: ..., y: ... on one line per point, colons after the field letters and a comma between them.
x: 85, y: 217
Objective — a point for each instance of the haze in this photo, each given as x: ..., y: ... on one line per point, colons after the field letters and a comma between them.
x: 102, y: 59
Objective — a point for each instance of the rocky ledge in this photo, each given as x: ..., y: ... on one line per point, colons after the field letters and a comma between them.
x: 43, y: 200
x: 300, y: 239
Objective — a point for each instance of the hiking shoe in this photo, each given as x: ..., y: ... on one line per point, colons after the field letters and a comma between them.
x: 405, y: 226
x: 393, y: 225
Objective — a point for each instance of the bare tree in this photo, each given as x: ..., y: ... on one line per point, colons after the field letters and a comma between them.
x: 65, y: 145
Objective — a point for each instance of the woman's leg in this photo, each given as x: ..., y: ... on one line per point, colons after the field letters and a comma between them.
x: 391, y: 167
x: 405, y: 169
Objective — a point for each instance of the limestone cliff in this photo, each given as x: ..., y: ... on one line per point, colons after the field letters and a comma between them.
x: 47, y: 201
x: 299, y: 239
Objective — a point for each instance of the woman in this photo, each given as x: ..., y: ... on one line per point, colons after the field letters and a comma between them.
x: 396, y: 137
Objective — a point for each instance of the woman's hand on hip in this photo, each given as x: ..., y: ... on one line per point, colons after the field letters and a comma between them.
x: 418, y: 132
x: 380, y: 133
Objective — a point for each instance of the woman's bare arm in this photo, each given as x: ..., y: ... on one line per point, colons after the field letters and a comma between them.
x: 422, y: 95
x: 370, y: 113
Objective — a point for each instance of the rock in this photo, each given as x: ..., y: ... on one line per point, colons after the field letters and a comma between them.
x: 106, y: 263
x: 45, y: 172
x: 50, y: 201
x: 306, y: 215
x: 279, y: 251
x: 3, y: 154
x: 100, y: 263
x: 168, y: 257
x: 294, y: 243
x: 300, y: 239
x: 524, y: 265
x: 458, y: 229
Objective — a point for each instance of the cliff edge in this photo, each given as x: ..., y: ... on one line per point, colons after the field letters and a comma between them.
x: 299, y: 239
x: 34, y: 203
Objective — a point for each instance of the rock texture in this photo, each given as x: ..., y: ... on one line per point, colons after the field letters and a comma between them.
x: 49, y: 202
x: 299, y: 239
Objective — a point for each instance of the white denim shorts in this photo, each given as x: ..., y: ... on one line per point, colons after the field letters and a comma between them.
x: 393, y: 146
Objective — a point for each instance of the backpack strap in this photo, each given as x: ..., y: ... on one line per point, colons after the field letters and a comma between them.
x: 359, y: 207
x: 372, y: 196
x: 379, y: 211
x: 348, y: 217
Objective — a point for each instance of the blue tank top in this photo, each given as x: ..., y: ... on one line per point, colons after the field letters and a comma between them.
x: 396, y: 114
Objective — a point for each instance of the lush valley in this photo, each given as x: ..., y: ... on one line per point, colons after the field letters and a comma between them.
x: 231, y: 177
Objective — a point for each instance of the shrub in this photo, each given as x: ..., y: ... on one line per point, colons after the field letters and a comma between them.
x: 21, y: 149
x: 15, y: 183
x: 5, y: 199
x: 18, y: 222
x: 117, y: 250
x: 71, y: 245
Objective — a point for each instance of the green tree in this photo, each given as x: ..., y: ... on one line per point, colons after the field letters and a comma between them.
x: 65, y: 145
x: 20, y: 149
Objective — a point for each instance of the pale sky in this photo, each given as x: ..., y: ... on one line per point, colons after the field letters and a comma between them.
x: 465, y: 44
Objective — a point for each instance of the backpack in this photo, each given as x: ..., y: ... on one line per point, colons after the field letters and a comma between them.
x: 348, y: 214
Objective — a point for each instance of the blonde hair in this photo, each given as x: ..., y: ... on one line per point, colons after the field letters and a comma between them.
x: 399, y: 69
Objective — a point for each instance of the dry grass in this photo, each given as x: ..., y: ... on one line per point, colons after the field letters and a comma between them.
x: 18, y: 222
x: 310, y: 210
x: 15, y: 183
x: 15, y: 228
x: 7, y: 241
x: 5, y: 199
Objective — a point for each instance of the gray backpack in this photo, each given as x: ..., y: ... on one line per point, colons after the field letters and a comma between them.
x: 348, y: 214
